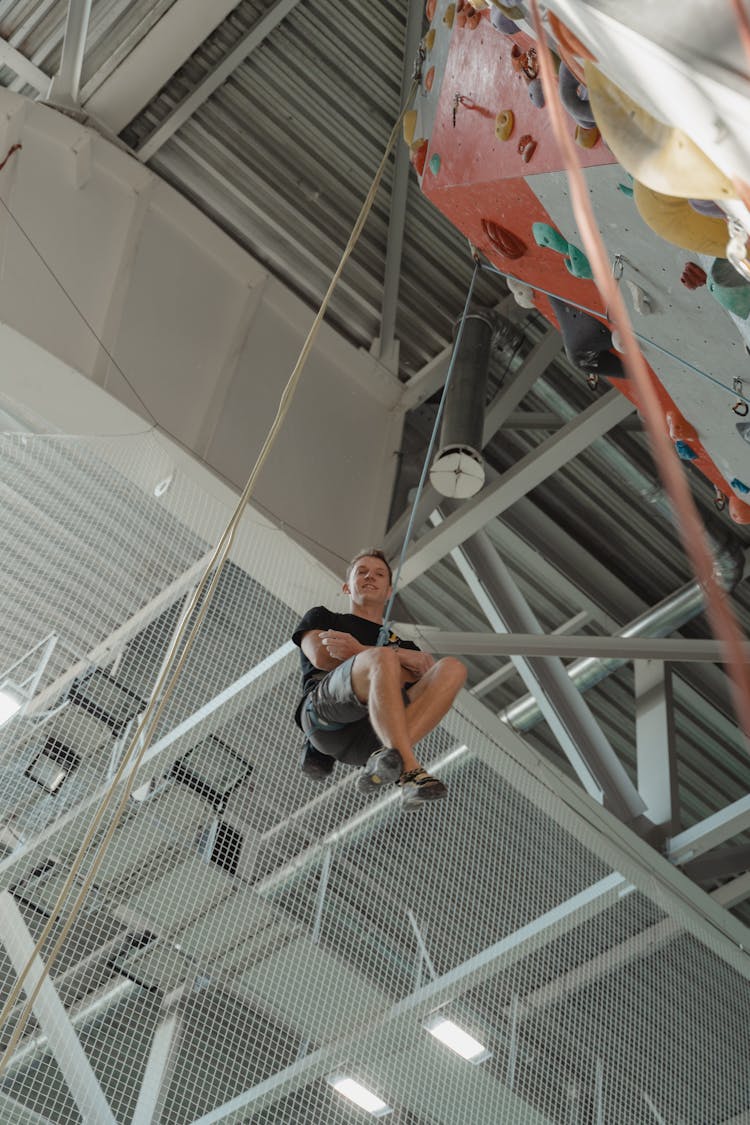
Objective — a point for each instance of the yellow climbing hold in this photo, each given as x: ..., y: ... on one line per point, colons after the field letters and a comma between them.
x: 450, y: 15
x: 429, y: 39
x: 410, y: 125
x: 504, y: 123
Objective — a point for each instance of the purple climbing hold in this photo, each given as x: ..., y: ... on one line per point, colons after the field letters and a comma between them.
x: 536, y: 93
x: 707, y: 207
x: 501, y: 22
x: 575, y: 97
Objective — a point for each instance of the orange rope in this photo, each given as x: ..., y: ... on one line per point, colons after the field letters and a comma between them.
x: 743, y: 25
x: 568, y: 46
x: 690, y: 526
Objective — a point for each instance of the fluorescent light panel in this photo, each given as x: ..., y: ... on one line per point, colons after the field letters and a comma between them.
x: 359, y: 1094
x: 457, y: 1039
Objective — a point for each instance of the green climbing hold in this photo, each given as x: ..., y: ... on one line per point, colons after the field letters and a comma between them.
x: 435, y: 163
x: 729, y: 288
x: 577, y: 263
x: 545, y: 235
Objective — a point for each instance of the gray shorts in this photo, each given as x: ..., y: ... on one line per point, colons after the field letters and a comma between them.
x: 333, y: 700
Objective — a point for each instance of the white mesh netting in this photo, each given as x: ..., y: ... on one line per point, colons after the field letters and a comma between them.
x: 250, y: 933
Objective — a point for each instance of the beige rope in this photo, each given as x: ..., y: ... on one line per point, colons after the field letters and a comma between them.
x: 173, y: 665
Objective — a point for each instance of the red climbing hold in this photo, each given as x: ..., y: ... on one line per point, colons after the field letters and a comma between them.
x: 419, y: 155
x: 679, y: 428
x: 693, y: 276
x: 503, y: 240
x: 526, y: 147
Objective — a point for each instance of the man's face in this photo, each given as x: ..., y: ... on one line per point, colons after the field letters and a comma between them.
x: 368, y: 582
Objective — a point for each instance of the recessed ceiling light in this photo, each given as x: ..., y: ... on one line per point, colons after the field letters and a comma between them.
x: 359, y: 1094
x: 457, y: 1039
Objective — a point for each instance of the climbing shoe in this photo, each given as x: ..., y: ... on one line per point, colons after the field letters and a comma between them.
x: 418, y: 786
x: 315, y: 765
x: 382, y: 768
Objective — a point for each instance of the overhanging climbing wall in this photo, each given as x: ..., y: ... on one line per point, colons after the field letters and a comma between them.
x: 250, y: 934
x: 486, y: 156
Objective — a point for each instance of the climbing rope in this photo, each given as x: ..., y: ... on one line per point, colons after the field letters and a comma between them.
x: 179, y: 649
x: 385, y: 627
x: 689, y: 524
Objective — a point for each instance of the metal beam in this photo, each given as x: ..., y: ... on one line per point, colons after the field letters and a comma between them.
x: 507, y: 671
x: 65, y: 87
x: 532, y: 644
x: 159, y: 1068
x: 577, y: 732
x: 719, y: 864
x: 29, y: 72
x: 215, y: 78
x: 709, y: 833
x: 52, y: 1017
x: 528, y: 473
x: 386, y: 345
x: 516, y: 388
x: 153, y: 61
x: 656, y: 757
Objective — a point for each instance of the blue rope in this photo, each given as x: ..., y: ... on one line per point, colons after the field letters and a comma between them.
x: 644, y: 339
x: 385, y: 627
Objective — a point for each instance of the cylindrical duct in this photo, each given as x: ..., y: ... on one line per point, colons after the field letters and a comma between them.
x: 458, y: 469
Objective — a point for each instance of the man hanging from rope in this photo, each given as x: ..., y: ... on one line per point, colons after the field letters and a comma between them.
x: 367, y: 704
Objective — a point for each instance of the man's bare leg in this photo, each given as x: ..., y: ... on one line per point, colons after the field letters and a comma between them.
x: 377, y: 679
x: 432, y: 697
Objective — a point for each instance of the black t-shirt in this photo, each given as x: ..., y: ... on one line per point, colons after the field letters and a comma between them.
x: 320, y: 618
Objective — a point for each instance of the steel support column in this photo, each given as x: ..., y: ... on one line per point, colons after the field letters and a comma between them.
x: 53, y: 1019
x: 65, y: 86
x: 655, y: 743
x: 577, y: 732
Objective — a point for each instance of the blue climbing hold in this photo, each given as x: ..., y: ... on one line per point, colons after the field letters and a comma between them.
x: 685, y: 452
x: 739, y: 486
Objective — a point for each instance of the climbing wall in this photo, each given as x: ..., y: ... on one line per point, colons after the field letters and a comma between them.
x: 486, y: 157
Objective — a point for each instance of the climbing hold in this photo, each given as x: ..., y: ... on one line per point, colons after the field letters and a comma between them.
x: 517, y: 58
x: 707, y: 207
x: 729, y: 289
x: 536, y: 93
x: 435, y: 163
x: 429, y: 10
x: 577, y: 263
x: 660, y: 156
x: 450, y: 15
x: 642, y: 301
x: 429, y: 78
x: 418, y: 151
x: 504, y: 240
x: 693, y: 276
x: 473, y: 20
x: 739, y: 485
x: 685, y: 452
x: 429, y: 39
x: 626, y: 189
x: 504, y: 123
x: 500, y: 22
x: 588, y: 138
x: 739, y: 511
x: 545, y: 235
x: 575, y: 98
x: 461, y: 15
x: 523, y: 294
x: 675, y: 220
x: 526, y: 147
x: 587, y: 341
x: 410, y: 125
x: 678, y: 428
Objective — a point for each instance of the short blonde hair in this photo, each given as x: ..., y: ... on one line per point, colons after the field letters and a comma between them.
x: 370, y: 553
